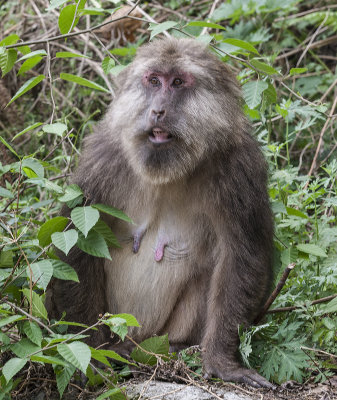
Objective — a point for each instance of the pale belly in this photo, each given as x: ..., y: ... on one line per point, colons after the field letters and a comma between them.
x: 152, y: 285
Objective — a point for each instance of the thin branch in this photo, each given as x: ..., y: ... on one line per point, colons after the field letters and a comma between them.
x: 275, y: 292
x: 292, y: 308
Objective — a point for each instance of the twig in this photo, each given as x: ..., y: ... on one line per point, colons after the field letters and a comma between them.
x: 204, y: 31
x: 320, y: 141
x: 319, y: 351
x: 292, y: 308
x: 50, y: 83
x: 146, y: 384
x: 275, y: 292
x: 58, y: 37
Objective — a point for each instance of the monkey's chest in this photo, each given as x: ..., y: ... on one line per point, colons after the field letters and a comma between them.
x: 149, y: 274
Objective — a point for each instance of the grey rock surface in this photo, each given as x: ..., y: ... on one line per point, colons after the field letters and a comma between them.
x: 173, y: 391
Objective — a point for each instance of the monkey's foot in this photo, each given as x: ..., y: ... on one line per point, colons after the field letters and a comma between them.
x: 239, y: 374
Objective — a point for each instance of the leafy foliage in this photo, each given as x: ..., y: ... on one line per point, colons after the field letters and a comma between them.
x: 288, y: 79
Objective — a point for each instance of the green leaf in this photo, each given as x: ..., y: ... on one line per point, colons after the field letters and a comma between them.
x: 68, y: 54
x: 33, y: 332
x: 42, y: 273
x: 24, y: 348
x: 76, y: 353
x: 94, y: 244
x: 100, y: 355
x: 205, y: 25
x: 48, y: 359
x: 6, y: 193
x: 330, y: 307
x: 63, y: 377
x: 32, y: 54
x: 9, y: 147
x: 267, y: 69
x: 112, y: 211
x: 82, y: 81
x: 26, y: 87
x: 71, y: 192
x: 10, y: 320
x: 129, y: 319
x: 33, y: 165
x: 242, y: 44
x: 11, y: 39
x: 159, y: 28
x: 118, y: 326
x: 297, y: 213
x: 296, y: 71
x: 65, y: 241
x: 6, y: 257
x: 311, y: 249
x: 84, y: 218
x: 107, y: 64
x: 103, y: 229
x: 252, y: 92
x: 112, y: 394
x: 53, y: 225
x: 13, y: 366
x: 66, y: 18
x: 158, y: 345
x: 61, y: 270
x: 57, y: 128
x: 38, y: 308
x: 7, y: 59
x: 56, y: 3
x: 30, y: 127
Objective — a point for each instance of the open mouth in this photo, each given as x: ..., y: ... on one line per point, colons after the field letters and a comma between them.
x: 158, y: 135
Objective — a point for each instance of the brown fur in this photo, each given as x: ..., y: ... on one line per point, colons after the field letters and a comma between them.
x: 204, y: 193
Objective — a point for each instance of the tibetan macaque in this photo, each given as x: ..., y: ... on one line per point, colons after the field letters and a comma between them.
x: 175, y: 153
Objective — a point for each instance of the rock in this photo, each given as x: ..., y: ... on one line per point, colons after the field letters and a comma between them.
x: 174, y: 391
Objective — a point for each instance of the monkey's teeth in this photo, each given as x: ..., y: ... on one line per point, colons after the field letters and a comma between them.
x: 159, y: 136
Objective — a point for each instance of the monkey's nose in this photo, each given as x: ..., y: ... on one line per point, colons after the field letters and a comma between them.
x: 158, y: 115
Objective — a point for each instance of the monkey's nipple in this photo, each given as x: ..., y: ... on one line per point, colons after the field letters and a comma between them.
x: 158, y: 135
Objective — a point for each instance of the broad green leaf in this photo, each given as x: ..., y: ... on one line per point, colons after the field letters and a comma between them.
x: 38, y: 308
x: 63, y: 377
x: 112, y: 211
x: 10, y: 320
x: 11, y: 39
x: 6, y: 193
x: 296, y: 71
x: 101, y: 354
x: 330, y: 307
x: 103, y: 229
x: 13, y: 366
x: 9, y: 147
x: 33, y: 332
x: 48, y: 359
x: 45, y: 183
x: 56, y: 3
x: 61, y: 270
x: 24, y: 348
x: 65, y: 241
x: 76, y: 353
x: 93, y: 11
x: 311, y: 249
x: 71, y: 192
x: 84, y: 218
x: 117, y: 69
x: 242, y: 44
x: 107, y: 64
x: 35, y: 53
x: 4, y: 339
x: 29, y: 128
x: 51, y: 226
x: 94, y: 244
x: 252, y: 92
x: 26, y: 87
x: 35, y: 166
x: 68, y: 54
x: 206, y: 25
x: 297, y: 213
x: 129, y: 319
x: 158, y: 345
x: 6, y: 256
x: 42, y: 273
x: 83, y: 82
x: 118, y: 326
x: 112, y: 394
x: 159, y: 28
x: 57, y: 128
x: 7, y: 59
x: 267, y: 69
x: 67, y: 17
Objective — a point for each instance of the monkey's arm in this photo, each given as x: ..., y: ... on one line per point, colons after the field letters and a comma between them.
x: 242, y: 274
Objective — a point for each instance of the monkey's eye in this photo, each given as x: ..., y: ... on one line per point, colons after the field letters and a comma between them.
x: 177, y: 82
x: 154, y: 81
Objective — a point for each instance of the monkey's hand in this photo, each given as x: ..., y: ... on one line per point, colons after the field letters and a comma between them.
x: 238, y: 374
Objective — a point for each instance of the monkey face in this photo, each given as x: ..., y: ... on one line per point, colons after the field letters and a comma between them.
x: 179, y: 100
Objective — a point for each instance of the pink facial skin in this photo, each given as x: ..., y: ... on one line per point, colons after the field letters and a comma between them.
x: 168, y: 81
